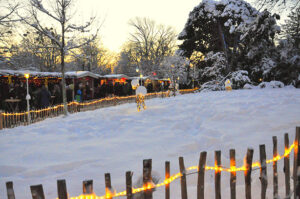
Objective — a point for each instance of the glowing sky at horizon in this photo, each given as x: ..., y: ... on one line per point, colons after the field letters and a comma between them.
x: 117, y: 13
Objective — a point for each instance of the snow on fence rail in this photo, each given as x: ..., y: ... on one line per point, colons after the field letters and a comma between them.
x: 11, y: 120
x: 148, y: 185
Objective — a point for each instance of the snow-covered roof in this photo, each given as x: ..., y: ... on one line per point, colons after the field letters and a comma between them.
x: 143, y: 78
x: 69, y: 74
x: 80, y: 74
x: 116, y: 76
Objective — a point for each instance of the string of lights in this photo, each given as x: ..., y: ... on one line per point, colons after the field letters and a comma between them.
x: 82, y: 104
x: 167, y: 181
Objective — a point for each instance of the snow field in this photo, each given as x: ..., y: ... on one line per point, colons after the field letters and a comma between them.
x: 117, y: 139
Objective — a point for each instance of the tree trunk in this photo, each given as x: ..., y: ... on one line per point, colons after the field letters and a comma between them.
x: 223, y: 45
x: 62, y: 51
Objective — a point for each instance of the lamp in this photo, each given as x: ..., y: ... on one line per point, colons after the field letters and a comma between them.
x: 28, y: 97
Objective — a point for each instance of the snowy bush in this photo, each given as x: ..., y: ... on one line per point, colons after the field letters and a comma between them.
x: 271, y: 84
x: 248, y: 86
x: 239, y: 79
x: 268, y: 85
x: 212, y: 86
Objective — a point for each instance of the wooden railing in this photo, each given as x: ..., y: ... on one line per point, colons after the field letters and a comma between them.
x: 148, y: 183
x: 11, y: 120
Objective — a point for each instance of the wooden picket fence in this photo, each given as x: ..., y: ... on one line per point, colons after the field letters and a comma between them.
x: 148, y: 186
x: 11, y: 120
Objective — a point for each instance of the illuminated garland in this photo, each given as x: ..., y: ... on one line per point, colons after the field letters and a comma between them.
x: 178, y: 175
x: 88, y: 103
x: 140, y: 101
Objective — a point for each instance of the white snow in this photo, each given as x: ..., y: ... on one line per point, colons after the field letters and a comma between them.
x: 269, y: 85
x: 116, y: 139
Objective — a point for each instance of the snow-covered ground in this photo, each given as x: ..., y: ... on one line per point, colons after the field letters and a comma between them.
x: 117, y: 139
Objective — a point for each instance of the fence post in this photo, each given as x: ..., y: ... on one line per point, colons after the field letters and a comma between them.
x: 248, y: 170
x: 286, y: 167
x: 129, y: 184
x: 108, y: 189
x: 232, y: 174
x: 10, y: 190
x: 263, y: 171
x: 167, y: 176
x: 201, y: 175
x: 37, y: 192
x: 217, y: 175
x: 275, y: 173
x: 87, y: 186
x: 183, y: 179
x: 1, y: 120
x: 296, y: 171
x: 62, y: 189
x: 147, y: 177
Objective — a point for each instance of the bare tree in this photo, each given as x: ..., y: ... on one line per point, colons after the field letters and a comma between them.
x: 150, y: 43
x: 7, y: 18
x: 59, y: 12
x: 278, y: 6
x: 95, y: 57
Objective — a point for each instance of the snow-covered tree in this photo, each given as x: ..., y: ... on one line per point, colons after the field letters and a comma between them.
x: 260, y: 51
x: 174, y: 67
x: 215, y: 26
x: 291, y: 27
x: 215, y: 66
x: 59, y: 12
x: 278, y: 6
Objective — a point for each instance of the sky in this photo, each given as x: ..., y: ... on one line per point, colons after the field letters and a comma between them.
x: 117, y: 13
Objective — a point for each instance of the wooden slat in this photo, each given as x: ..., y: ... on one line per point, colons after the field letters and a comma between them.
x: 129, y: 184
x: 296, y: 176
x: 1, y: 120
x: 232, y: 174
x: 108, y: 189
x: 147, y: 177
x: 201, y: 175
x: 62, y: 189
x: 217, y: 175
x: 10, y: 190
x: 263, y: 171
x: 248, y: 171
x: 286, y: 167
x: 167, y: 176
x: 183, y: 179
x: 275, y: 173
x: 37, y: 192
x: 87, y: 186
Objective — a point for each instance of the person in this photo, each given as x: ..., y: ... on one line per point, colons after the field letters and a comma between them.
x: 70, y: 92
x: 78, y: 96
x: 57, y: 94
x: 44, y: 97
x: 87, y: 91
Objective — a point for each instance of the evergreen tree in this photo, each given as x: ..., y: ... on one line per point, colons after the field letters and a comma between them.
x: 259, y: 49
x: 292, y: 27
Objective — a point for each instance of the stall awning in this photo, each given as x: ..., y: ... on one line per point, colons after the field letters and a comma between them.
x: 69, y: 74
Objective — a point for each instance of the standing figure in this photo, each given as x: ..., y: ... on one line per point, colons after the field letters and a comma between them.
x: 78, y: 96
x: 44, y: 97
x: 228, y: 85
x: 141, y: 92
